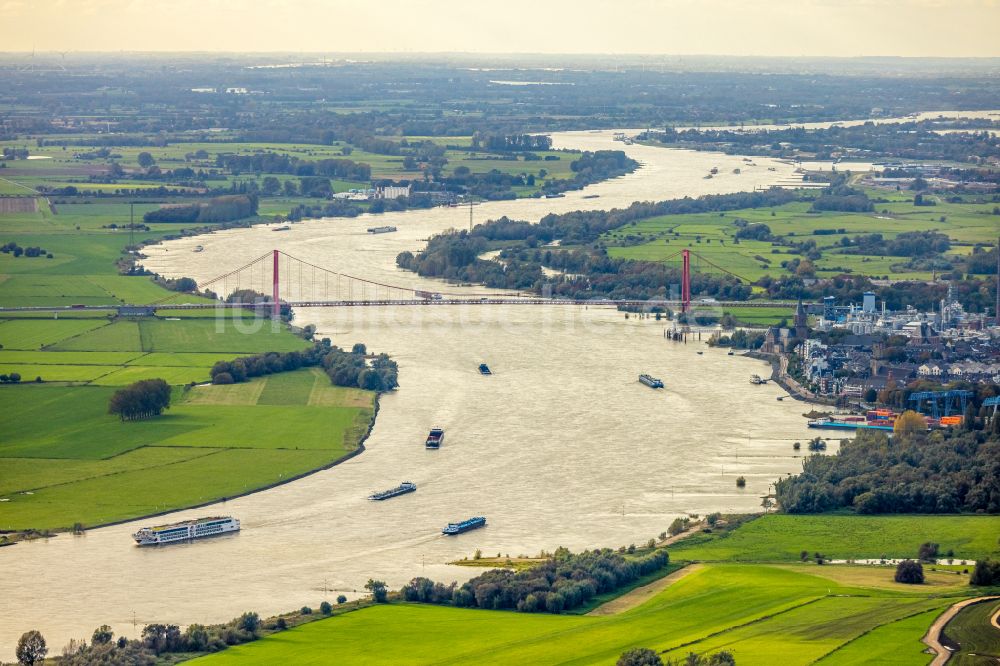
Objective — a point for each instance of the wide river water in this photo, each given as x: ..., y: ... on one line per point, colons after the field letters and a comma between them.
x: 562, y: 446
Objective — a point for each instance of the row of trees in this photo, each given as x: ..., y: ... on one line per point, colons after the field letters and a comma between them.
x: 271, y: 162
x: 140, y: 400
x: 344, y: 368
x: 220, y: 209
x: 561, y: 583
x: 944, y: 471
x: 33, y: 251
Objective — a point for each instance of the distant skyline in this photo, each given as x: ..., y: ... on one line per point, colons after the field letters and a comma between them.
x: 937, y: 28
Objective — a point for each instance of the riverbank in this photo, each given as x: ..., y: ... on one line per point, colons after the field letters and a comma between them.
x: 228, y: 447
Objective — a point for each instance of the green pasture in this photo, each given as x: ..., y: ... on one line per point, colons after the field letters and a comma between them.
x: 764, y: 615
x: 897, y: 642
x: 84, y: 465
x: 712, y: 236
x: 782, y: 538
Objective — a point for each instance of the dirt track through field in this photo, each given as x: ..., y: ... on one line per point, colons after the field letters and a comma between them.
x: 640, y: 595
x: 933, y: 636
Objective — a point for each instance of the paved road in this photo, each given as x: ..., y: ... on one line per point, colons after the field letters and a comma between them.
x: 933, y: 636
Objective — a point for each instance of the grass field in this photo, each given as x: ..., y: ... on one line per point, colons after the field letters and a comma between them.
x: 712, y: 236
x: 782, y: 537
x: 117, y: 352
x: 763, y: 614
x: 86, y: 466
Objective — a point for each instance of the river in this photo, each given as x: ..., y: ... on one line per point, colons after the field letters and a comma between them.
x: 561, y: 447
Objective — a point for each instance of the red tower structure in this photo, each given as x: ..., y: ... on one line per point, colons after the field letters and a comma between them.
x: 686, y: 281
x: 276, y: 304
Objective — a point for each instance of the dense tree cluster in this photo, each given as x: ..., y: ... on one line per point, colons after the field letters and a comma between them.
x: 158, y: 640
x: 561, y: 583
x: 986, y: 573
x: 906, y: 244
x: 271, y: 162
x: 345, y: 368
x: 843, y: 199
x: 220, y: 209
x: 34, y: 251
x: 909, y: 572
x: 944, y: 471
x: 512, y: 142
x: 140, y: 400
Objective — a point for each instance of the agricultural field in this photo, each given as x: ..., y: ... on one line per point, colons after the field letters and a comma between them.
x: 782, y: 538
x: 85, y: 466
x: 762, y: 614
x: 711, y: 236
x: 59, y: 167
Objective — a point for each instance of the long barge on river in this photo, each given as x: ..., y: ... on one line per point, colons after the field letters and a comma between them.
x: 401, y: 489
x: 186, y: 530
x: 464, y: 526
x: 847, y: 425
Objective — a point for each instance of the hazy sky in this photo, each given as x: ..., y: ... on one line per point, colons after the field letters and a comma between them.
x: 732, y: 27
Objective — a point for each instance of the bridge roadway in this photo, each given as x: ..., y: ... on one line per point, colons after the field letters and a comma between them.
x: 675, y: 304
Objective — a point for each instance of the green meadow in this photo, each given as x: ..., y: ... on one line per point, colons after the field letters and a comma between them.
x: 782, y: 538
x: 713, y: 237
x: 762, y: 614
x: 67, y: 461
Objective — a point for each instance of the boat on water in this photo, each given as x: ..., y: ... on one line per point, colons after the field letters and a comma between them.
x: 282, y: 228
x: 465, y: 525
x: 731, y: 353
x: 650, y: 381
x: 756, y: 380
x: 558, y: 195
x: 435, y: 438
x: 484, y: 369
x: 186, y: 530
x: 700, y: 353
x: 846, y: 425
x: 382, y: 230
x: 199, y: 248
x: 590, y: 196
x: 401, y: 489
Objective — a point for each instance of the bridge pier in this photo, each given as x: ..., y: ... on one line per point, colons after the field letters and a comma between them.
x: 276, y: 305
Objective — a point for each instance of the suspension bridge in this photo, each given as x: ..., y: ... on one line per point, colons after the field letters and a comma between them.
x: 288, y: 281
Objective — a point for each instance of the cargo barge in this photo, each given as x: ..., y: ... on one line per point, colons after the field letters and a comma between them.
x: 650, y: 381
x: 401, y: 489
x: 435, y: 438
x: 186, y: 530
x: 847, y: 425
x: 381, y: 230
x: 465, y: 525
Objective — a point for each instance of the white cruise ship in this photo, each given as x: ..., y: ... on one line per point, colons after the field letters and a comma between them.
x: 186, y: 530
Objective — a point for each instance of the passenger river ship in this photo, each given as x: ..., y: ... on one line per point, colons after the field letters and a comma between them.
x: 186, y: 530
